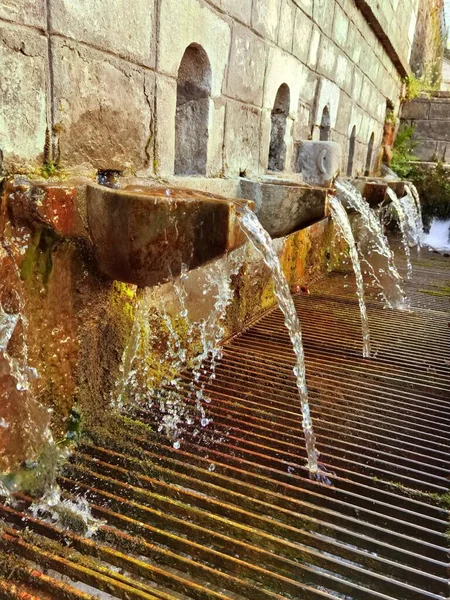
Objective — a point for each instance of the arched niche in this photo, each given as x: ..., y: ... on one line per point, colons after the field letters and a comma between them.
x: 351, y: 152
x: 192, y: 113
x: 325, y: 125
x: 369, y: 155
x: 280, y: 112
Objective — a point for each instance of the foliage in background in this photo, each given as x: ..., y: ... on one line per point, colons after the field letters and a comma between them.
x: 403, y: 151
x: 433, y: 184
x: 425, y: 85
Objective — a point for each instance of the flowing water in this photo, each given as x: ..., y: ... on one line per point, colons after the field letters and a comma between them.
x: 438, y: 238
x: 373, y: 247
x: 406, y: 211
x: 342, y: 222
x: 263, y: 243
x: 191, y: 345
x: 412, y: 193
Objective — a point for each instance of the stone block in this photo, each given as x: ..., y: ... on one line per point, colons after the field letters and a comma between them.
x: 245, y: 80
x: 328, y: 95
x: 266, y: 17
x: 439, y: 110
x: 119, y: 26
x: 417, y: 109
x: 283, y: 68
x: 323, y: 15
x: 23, y: 96
x: 26, y: 12
x: 144, y: 235
x: 318, y: 162
x: 305, y: 5
x: 308, y: 86
x: 286, y: 27
x: 54, y: 205
x: 303, y: 27
x: 432, y: 130
x: 326, y: 64
x: 283, y: 206
x: 426, y: 150
x: 239, y: 9
x: 108, y: 122
x: 186, y: 22
x: 443, y: 151
x: 344, y: 113
x: 166, y: 106
x: 340, y: 27
x: 242, y: 139
x: 313, y: 54
x: 343, y: 73
x: 302, y: 127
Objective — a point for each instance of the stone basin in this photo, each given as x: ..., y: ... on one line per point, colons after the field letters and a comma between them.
x: 144, y: 235
x: 373, y: 189
x: 285, y: 206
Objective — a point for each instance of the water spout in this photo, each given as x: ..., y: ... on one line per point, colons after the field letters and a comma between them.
x: 341, y: 220
x: 263, y: 243
x: 373, y: 247
x: 408, y: 226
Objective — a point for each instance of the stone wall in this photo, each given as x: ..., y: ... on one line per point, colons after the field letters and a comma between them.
x: 101, y: 79
x: 430, y: 117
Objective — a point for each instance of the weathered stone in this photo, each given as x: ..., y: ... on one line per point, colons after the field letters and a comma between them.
x: 431, y: 129
x: 248, y: 58
x: 417, y: 109
x: 27, y: 12
x: 326, y: 63
x: 266, y: 17
x: 144, y: 235
x: 283, y: 206
x: 323, y: 14
x: 119, y: 26
x: 108, y: 123
x: 195, y: 23
x: 240, y: 9
x: 303, y: 27
x: 54, y: 205
x: 340, y: 27
x: 313, y: 54
x: 318, y: 162
x: 286, y: 27
x: 23, y: 97
x: 438, y: 110
x: 373, y: 189
x: 328, y: 95
x: 242, y: 131
x: 426, y: 150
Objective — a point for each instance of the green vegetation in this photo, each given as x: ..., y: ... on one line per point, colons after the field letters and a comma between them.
x: 417, y: 86
x: 432, y: 183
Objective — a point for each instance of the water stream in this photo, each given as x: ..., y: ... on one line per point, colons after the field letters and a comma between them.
x: 407, y: 226
x: 263, y: 243
x: 373, y: 247
x: 342, y: 222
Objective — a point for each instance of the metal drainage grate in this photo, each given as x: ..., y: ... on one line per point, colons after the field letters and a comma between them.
x: 233, y: 514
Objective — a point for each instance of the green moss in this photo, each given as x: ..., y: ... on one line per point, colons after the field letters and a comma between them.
x: 38, y: 258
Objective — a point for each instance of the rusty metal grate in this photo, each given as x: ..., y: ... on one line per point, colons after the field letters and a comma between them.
x: 233, y: 514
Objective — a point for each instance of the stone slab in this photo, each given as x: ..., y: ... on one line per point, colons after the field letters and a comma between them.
x: 119, y: 26
x: 302, y: 36
x: 145, y: 235
x: 286, y: 27
x: 431, y: 129
x: 248, y: 58
x: 416, y: 109
x: 26, y: 12
x: 439, y: 110
x: 242, y: 139
x: 107, y: 123
x: 266, y: 17
x: 239, y: 9
x: 23, y: 96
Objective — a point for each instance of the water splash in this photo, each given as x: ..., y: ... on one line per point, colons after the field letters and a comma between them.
x: 341, y: 220
x: 412, y: 192
x: 373, y: 247
x: 263, y: 243
x: 407, y: 223
x: 142, y: 383
x: 438, y: 237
